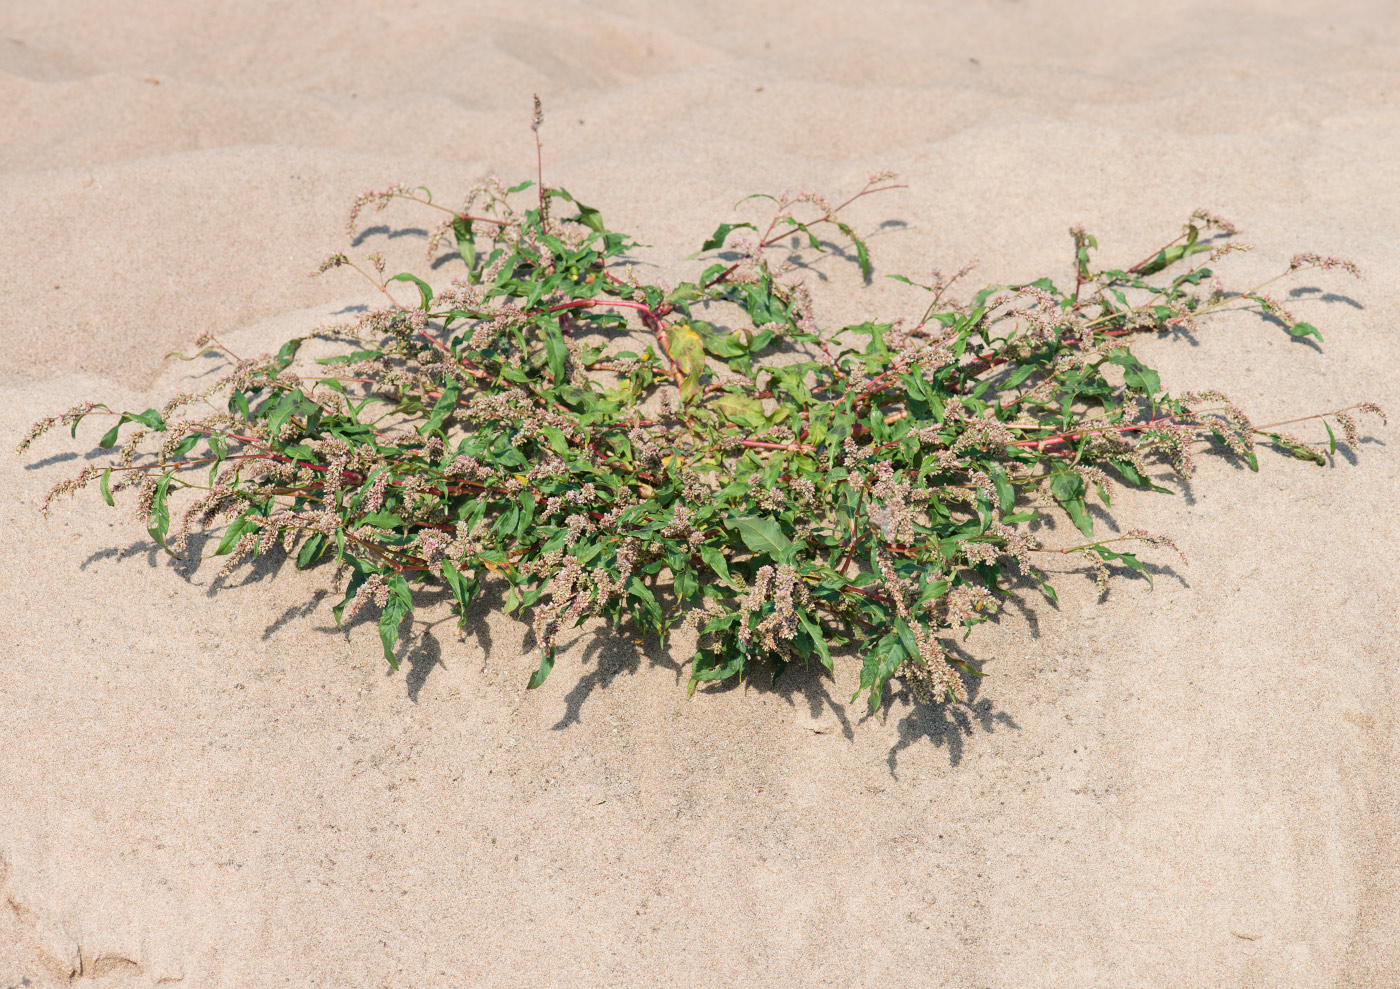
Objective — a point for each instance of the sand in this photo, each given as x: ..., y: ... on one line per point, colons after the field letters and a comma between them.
x: 1192, y: 785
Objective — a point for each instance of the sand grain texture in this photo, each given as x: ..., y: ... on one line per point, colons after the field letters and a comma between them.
x: 1192, y: 786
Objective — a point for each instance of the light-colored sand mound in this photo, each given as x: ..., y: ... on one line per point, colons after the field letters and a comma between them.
x: 1195, y: 785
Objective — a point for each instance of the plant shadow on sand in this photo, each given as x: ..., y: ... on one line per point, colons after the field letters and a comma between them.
x: 939, y: 723
x: 611, y: 654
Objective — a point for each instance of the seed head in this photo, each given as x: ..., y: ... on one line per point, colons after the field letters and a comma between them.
x: 1311, y: 259
x: 1211, y: 220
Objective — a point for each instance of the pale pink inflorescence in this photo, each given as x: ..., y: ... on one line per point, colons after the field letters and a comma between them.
x: 1311, y: 259
x: 69, y: 418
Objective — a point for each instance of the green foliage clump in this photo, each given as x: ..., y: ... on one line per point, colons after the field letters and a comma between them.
x: 602, y: 446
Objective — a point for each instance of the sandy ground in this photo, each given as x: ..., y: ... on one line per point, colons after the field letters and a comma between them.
x: 1192, y: 786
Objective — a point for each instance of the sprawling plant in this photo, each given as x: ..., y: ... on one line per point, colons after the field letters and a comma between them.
x: 603, y: 446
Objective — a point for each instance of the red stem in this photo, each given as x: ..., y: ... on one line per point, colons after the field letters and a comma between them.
x: 1066, y: 437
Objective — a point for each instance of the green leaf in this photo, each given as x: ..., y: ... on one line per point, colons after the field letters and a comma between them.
x: 557, y: 442
x: 185, y: 446
x: 720, y: 623
x: 906, y: 637
x: 1006, y: 494
x: 760, y: 535
x: 1130, y: 474
x: 725, y: 346
x: 1068, y: 490
x: 647, y: 604
x: 443, y: 407
x: 717, y: 239
x: 1170, y: 256
x: 158, y: 522
x: 761, y: 304
x: 965, y: 666
x: 933, y: 590
x: 715, y: 560
x: 398, y: 606
x: 542, y: 674
x: 1301, y: 330
x: 287, y: 352
x: 812, y: 240
x: 105, y: 487
x: 879, y: 665
x: 527, y: 515
x: 463, y: 589
x: 863, y: 256
x: 73, y: 430
x: 711, y: 664
x: 590, y: 218
x: 159, y: 519
x: 311, y: 551
x: 425, y: 291
x: 1298, y: 450
x: 233, y: 533
x: 684, y: 583
x: 814, y: 632
x: 359, y: 574
x: 151, y: 419
x: 509, y: 520
x: 1021, y: 374
x: 1127, y: 559
x: 684, y: 292
x: 466, y: 243
x: 283, y: 411
x: 556, y: 350
x: 1136, y: 374
x: 862, y: 252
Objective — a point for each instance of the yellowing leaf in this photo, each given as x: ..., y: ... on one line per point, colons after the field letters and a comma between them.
x: 740, y: 408
x: 688, y: 351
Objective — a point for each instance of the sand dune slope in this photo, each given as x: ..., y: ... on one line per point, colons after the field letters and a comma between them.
x: 1194, y: 785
